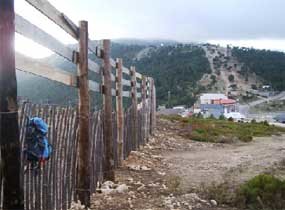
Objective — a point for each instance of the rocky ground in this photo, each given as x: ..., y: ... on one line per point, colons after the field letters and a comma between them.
x: 172, y: 172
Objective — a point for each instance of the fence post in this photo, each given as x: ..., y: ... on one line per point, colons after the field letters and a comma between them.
x: 83, y: 184
x: 9, y: 131
x: 120, y: 110
x: 144, y: 109
x: 109, y: 163
x: 134, y: 107
x: 154, y: 103
x: 153, y: 106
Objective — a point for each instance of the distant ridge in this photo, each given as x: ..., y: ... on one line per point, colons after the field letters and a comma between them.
x: 146, y: 42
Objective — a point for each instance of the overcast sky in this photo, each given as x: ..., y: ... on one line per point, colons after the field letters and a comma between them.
x: 257, y: 23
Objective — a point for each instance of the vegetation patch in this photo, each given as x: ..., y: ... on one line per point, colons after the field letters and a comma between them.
x: 224, y: 131
x: 262, y: 192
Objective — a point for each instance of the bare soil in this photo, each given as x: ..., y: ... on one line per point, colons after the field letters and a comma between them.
x: 176, y: 169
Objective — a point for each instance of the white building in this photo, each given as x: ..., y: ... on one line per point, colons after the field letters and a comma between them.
x: 207, y: 98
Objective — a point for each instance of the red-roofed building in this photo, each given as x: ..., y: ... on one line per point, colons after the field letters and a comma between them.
x: 224, y: 101
x: 228, y: 104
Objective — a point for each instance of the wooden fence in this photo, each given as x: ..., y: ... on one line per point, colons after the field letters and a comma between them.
x: 87, y: 146
x: 54, y: 187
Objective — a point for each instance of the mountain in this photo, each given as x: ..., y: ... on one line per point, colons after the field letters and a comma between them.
x: 146, y: 42
x: 181, y: 71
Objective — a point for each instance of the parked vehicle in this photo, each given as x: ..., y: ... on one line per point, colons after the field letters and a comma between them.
x: 280, y: 118
x: 186, y: 113
x: 236, y: 116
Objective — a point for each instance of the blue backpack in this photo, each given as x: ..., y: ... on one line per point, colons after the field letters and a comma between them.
x: 37, y: 147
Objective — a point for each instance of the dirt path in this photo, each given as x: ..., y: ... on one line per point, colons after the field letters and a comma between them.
x: 236, y: 163
x: 169, y: 172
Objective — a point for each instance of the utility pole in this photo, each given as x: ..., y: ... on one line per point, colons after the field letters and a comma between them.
x: 9, y: 131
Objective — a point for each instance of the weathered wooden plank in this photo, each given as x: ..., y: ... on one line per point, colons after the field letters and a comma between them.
x: 138, y: 75
x: 92, y: 66
x: 126, y: 82
x: 33, y: 66
x: 92, y: 46
x: 108, y: 171
x: 27, y: 29
x: 120, y: 111
x: 134, y: 108
x: 113, y: 62
x: 126, y: 94
x: 83, y: 184
x: 113, y: 78
x: 56, y: 16
x: 153, y: 106
x: 94, y: 86
x: 114, y: 92
x: 144, y: 118
x: 126, y: 71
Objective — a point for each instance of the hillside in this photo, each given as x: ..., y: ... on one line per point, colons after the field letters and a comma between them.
x: 175, y: 68
x: 227, y: 74
x: 181, y: 71
x: 269, y: 65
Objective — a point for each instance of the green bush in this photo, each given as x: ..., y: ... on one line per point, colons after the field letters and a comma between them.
x: 262, y: 192
x: 253, y: 121
x: 222, y: 117
x: 231, y: 78
x: 231, y: 119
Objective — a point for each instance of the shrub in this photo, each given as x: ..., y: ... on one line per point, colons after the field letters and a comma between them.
x: 231, y: 119
x: 253, y: 121
x: 265, y: 123
x: 222, y: 117
x: 231, y: 78
x: 212, y: 116
x: 245, y: 138
x: 262, y: 192
x: 173, y: 183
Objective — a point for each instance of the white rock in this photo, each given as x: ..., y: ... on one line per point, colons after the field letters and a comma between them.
x: 144, y: 168
x: 141, y: 187
x: 108, y: 191
x: 122, y: 188
x: 213, y: 202
x: 108, y: 184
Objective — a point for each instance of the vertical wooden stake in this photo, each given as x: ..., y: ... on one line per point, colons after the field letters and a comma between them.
x: 134, y: 108
x: 9, y: 131
x: 144, y: 109
x: 148, y: 106
x: 108, y: 173
x: 83, y: 185
x: 120, y: 110
x: 153, y: 106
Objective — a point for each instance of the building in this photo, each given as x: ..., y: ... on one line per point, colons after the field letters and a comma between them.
x: 229, y: 105
x: 216, y: 104
x: 208, y: 98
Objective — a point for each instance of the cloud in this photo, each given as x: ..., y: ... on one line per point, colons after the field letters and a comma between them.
x: 182, y: 20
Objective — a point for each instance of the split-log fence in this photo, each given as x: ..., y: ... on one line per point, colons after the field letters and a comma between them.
x: 88, y: 145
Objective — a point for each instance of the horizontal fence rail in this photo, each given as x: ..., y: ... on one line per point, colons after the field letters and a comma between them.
x: 87, y: 145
